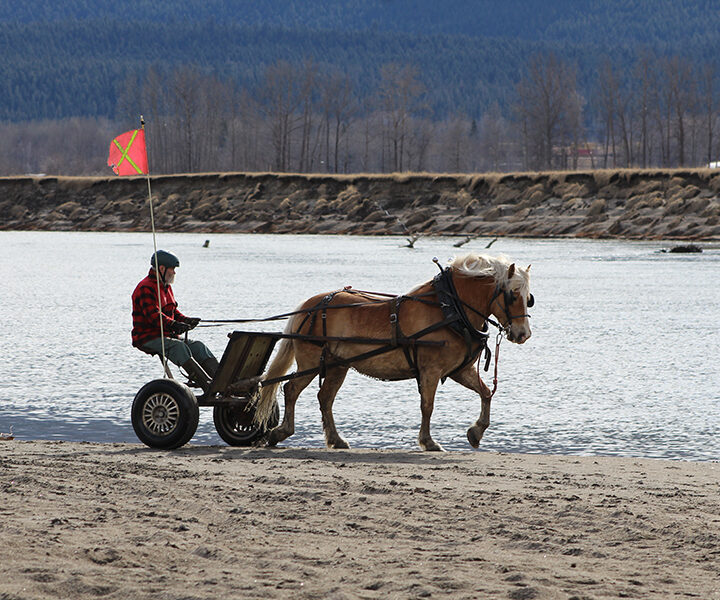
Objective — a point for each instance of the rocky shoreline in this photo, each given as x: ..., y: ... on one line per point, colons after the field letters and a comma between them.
x: 626, y: 204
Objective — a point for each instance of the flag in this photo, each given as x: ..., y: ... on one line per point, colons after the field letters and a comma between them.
x: 128, y: 155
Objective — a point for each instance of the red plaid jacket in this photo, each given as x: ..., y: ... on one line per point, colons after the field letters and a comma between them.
x: 146, y: 324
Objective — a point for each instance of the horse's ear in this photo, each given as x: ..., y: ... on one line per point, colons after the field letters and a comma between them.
x: 528, y: 267
x: 511, y: 271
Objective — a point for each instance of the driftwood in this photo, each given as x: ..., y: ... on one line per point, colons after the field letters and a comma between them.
x: 469, y: 238
x: 411, y: 241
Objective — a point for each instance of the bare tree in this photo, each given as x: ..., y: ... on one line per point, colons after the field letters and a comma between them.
x: 708, y: 94
x: 609, y: 100
x: 493, y: 133
x: 574, y: 123
x: 681, y: 91
x: 307, y: 89
x: 338, y: 106
x: 454, y: 145
x: 645, y: 74
x: 399, y: 96
x: 420, y: 135
x: 280, y: 99
x: 543, y: 104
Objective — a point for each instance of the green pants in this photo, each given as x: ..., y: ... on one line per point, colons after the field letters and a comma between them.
x: 177, y: 351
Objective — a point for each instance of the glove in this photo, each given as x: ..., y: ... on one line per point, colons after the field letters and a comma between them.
x: 192, y: 322
x: 179, y: 328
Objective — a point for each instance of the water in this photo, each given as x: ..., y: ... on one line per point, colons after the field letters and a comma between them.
x: 623, y: 358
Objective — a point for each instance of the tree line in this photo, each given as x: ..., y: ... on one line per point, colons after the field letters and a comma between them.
x: 310, y: 117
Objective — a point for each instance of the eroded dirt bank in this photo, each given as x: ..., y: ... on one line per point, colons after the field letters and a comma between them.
x: 682, y: 205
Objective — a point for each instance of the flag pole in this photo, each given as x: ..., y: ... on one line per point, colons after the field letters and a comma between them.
x: 155, y: 260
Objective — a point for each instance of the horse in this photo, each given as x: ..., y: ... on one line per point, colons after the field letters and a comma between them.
x: 435, y: 331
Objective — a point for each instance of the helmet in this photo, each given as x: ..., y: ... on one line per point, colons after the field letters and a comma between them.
x: 164, y: 259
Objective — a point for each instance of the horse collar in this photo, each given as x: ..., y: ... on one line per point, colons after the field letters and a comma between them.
x: 452, y: 307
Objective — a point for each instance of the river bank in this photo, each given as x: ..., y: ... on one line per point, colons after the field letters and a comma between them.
x: 624, y: 204
x: 121, y: 521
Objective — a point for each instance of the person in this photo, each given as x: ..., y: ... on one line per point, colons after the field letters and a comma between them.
x: 191, y: 355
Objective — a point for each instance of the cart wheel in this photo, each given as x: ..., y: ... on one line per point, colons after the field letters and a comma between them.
x: 234, y: 423
x: 165, y: 414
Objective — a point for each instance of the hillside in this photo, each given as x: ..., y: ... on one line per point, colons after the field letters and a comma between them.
x: 63, y: 59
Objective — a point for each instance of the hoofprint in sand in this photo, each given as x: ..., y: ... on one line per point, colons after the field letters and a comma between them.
x: 121, y: 521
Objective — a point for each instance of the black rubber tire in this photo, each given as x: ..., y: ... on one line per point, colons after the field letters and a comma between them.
x: 165, y: 414
x: 234, y: 423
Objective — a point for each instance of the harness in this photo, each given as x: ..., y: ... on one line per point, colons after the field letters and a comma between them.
x: 397, y: 338
x: 457, y: 320
x: 454, y: 317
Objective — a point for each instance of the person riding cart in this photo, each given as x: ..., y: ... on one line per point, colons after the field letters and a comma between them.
x: 192, y: 356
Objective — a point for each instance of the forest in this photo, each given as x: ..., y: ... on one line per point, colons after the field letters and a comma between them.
x: 374, y: 86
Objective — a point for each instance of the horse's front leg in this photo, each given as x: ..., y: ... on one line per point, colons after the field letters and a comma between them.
x: 326, y: 396
x: 469, y: 378
x: 428, y: 387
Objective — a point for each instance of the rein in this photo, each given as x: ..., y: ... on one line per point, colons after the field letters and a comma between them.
x: 380, y: 297
x: 498, y: 339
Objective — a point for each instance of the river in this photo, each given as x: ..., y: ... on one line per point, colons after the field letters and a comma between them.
x: 623, y: 359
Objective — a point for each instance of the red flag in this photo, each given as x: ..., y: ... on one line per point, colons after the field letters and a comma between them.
x: 128, y: 155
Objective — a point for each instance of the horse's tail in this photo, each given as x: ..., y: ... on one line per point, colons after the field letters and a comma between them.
x: 279, y: 366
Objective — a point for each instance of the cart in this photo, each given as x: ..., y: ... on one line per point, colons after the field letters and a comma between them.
x: 165, y: 412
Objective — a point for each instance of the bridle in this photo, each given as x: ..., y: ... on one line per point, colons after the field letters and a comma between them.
x: 508, y: 299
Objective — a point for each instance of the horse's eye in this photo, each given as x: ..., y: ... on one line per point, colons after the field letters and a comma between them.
x: 531, y: 301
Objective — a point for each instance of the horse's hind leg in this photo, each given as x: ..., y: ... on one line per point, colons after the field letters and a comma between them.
x: 291, y: 391
x: 326, y: 396
x: 470, y: 379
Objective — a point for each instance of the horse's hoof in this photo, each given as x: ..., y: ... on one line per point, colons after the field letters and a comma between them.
x: 432, y: 447
x: 340, y: 444
x: 473, y: 438
x: 272, y: 439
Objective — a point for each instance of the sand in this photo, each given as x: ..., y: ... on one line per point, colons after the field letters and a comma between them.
x: 81, y: 520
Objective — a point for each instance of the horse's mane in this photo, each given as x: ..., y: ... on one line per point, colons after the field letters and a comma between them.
x: 484, y: 265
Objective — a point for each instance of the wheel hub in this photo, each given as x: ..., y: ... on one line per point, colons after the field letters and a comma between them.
x: 161, y: 414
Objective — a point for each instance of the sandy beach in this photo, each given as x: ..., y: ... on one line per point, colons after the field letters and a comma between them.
x: 81, y: 520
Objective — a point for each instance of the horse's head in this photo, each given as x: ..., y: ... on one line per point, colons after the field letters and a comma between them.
x: 509, y: 300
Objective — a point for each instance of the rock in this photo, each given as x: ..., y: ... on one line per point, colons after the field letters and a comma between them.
x: 67, y: 207
x: 598, y: 206
x: 375, y: 216
x: 687, y: 248
x: 124, y: 207
x: 418, y: 217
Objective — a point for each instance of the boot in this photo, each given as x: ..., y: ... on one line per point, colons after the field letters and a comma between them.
x: 197, y: 374
x: 210, y: 365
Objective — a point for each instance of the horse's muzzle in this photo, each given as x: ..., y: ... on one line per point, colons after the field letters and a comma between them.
x: 519, y: 337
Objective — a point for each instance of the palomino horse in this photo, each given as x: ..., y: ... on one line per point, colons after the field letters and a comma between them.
x: 446, y: 315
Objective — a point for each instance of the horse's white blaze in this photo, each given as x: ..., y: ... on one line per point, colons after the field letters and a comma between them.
x: 520, y: 327
x: 520, y: 330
